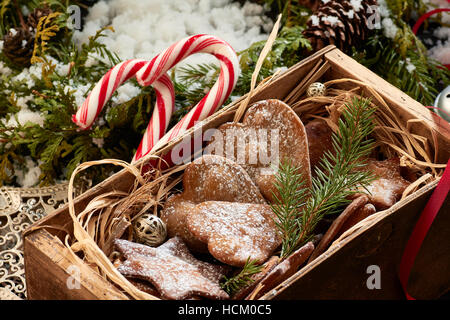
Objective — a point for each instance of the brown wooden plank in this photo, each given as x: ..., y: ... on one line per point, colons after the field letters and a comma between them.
x: 47, y: 262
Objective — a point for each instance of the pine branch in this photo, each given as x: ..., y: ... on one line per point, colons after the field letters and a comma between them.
x: 407, y: 68
x: 337, y: 177
x: 242, y: 279
x: 288, y: 204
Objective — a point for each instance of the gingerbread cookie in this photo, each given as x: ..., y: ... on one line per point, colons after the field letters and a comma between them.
x: 270, y: 132
x: 282, y: 271
x: 356, y: 217
x: 235, y: 231
x: 353, y: 208
x: 172, y: 270
x: 388, y: 186
x: 207, y: 178
x: 319, y: 141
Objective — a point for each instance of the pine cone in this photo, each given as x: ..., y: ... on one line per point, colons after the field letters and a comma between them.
x: 18, y: 46
x: 37, y: 14
x: 342, y: 23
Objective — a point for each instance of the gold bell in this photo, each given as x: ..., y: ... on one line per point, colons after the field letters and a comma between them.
x: 316, y: 89
x: 149, y: 230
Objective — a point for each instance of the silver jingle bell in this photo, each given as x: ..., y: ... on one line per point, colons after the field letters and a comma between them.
x: 149, y: 230
x: 316, y: 89
x: 442, y: 104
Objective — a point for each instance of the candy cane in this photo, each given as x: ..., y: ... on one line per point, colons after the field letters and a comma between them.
x: 104, y: 89
x: 215, y: 97
x: 153, y: 73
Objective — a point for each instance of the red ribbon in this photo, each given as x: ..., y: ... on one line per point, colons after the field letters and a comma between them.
x: 425, y: 17
x: 421, y: 229
x: 431, y: 209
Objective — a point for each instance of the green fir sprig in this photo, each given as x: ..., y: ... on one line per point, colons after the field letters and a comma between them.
x: 338, y: 176
x: 242, y: 279
x: 288, y: 202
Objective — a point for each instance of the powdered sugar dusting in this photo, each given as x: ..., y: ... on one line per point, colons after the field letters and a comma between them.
x: 235, y: 231
x: 172, y: 269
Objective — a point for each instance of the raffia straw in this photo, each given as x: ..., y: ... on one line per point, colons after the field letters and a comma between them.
x: 265, y: 51
x: 392, y: 116
x: 86, y: 243
x: 413, y: 186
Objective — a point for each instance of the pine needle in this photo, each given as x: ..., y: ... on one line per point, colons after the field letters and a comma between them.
x: 242, y: 279
x: 292, y: 196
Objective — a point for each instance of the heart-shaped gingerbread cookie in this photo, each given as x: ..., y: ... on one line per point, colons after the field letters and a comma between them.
x: 209, y: 178
x: 269, y: 133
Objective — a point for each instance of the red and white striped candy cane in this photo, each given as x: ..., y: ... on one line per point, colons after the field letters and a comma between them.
x: 104, y: 89
x: 154, y: 73
x: 221, y: 90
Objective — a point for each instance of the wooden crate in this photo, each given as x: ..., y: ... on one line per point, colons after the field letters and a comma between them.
x: 340, y: 273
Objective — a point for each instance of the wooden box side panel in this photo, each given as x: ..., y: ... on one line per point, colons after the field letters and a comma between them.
x: 342, y: 273
x: 60, y: 219
x: 52, y: 273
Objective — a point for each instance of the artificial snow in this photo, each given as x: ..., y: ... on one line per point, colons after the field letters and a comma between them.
x: 79, y: 92
x: 356, y: 4
x: 23, y: 116
x: 99, y: 142
x: 126, y: 92
x: 27, y: 174
x: 387, y: 24
x: 441, y: 50
x: 409, y: 66
x: 315, y: 20
x: 4, y: 70
x: 145, y: 28
x: 331, y: 19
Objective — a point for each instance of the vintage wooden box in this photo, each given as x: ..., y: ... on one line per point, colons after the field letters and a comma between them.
x: 339, y: 273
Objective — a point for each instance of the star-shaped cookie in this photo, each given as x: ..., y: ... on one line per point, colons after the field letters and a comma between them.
x: 388, y: 186
x: 171, y: 269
